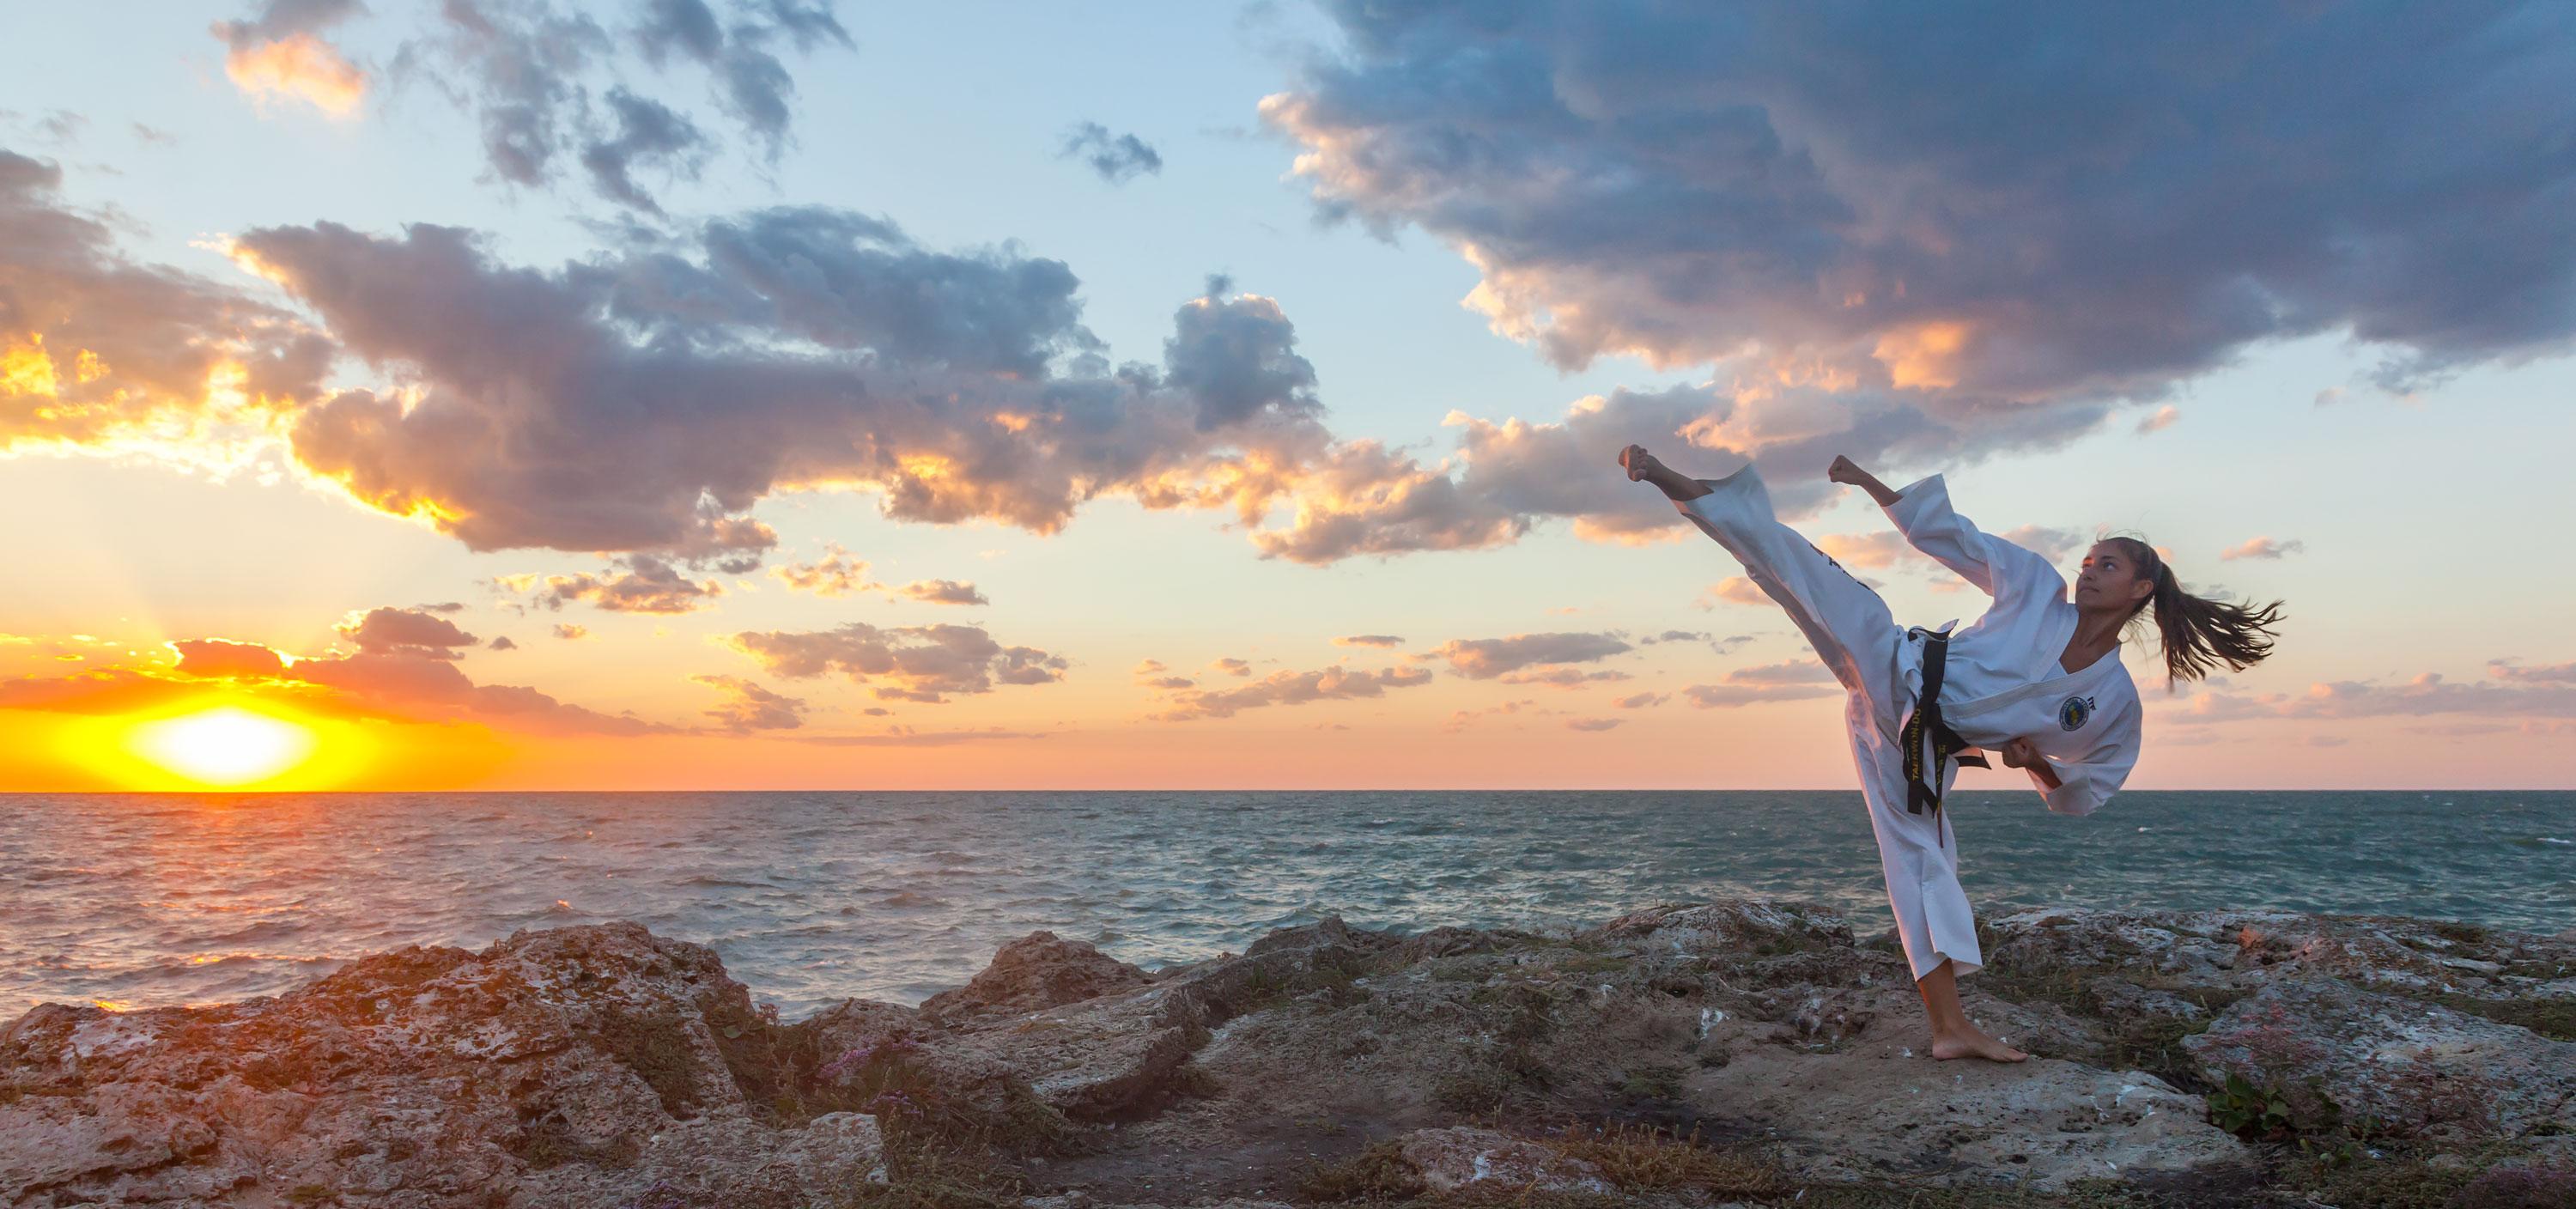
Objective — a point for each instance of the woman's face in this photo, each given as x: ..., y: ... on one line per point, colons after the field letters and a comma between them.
x: 2109, y: 580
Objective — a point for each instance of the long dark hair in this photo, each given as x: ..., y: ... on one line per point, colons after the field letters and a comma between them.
x: 2198, y: 633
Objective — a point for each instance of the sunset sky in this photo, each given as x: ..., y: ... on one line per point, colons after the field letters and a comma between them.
x: 699, y: 394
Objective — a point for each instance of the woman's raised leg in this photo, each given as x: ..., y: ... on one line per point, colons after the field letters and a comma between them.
x: 1841, y: 617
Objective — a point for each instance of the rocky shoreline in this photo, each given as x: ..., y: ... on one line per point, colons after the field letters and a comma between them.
x: 1746, y: 1051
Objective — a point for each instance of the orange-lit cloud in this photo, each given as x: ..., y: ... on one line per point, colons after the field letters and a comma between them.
x: 300, y: 66
x: 2261, y: 547
x: 1286, y: 687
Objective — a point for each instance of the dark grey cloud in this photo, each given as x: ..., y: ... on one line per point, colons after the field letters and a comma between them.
x: 406, y: 632
x: 544, y: 85
x: 909, y: 663
x: 1377, y: 640
x: 648, y: 132
x: 1486, y: 658
x: 503, y: 643
x: 638, y: 583
x: 643, y: 402
x: 2045, y: 206
x: 1238, y: 358
x: 1118, y: 158
x: 279, y: 20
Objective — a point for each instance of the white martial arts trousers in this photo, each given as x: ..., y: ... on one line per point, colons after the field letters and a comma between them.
x: 1853, y: 632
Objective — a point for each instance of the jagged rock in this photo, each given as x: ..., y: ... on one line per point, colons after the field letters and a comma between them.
x: 1737, y: 927
x: 1450, y: 1159
x: 1035, y: 972
x: 2417, y: 1067
x: 417, y: 1078
x: 604, y: 1066
x: 1120, y: 1055
x: 1879, y: 1109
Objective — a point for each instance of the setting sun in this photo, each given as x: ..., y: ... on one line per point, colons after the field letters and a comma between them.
x: 223, y: 746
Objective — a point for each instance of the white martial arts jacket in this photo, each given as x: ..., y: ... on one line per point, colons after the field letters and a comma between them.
x: 2001, y: 678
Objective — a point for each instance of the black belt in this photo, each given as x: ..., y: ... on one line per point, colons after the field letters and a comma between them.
x: 1919, y: 792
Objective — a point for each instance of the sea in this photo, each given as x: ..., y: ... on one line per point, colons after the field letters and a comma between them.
x: 149, y: 900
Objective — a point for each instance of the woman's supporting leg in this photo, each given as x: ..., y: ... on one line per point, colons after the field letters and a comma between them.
x: 1952, y: 1035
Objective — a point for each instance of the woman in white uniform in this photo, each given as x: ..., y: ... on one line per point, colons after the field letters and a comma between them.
x: 2037, y: 678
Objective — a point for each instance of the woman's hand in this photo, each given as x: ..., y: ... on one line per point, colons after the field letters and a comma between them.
x: 2019, y: 753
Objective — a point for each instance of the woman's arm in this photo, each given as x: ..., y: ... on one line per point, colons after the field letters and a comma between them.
x: 1845, y: 470
x: 1922, y: 513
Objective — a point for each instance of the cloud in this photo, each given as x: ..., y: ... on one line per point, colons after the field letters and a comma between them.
x: 282, y: 52
x: 405, y: 671
x: 1789, y: 680
x: 1592, y: 723
x: 1371, y: 640
x: 539, y: 420
x: 943, y: 591
x: 1560, y: 677
x: 1486, y: 658
x: 219, y: 657
x: 1117, y: 158
x: 905, y: 736
x: 1642, y: 700
x: 1289, y: 688
x: 503, y: 643
x: 1150, y: 674
x: 648, y: 132
x: 2260, y: 547
x: 1719, y: 696
x: 1735, y: 588
x: 1233, y: 667
x: 571, y: 633
x: 100, y: 354
x: 2503, y: 669
x: 2163, y: 419
x: 1673, y: 636
x: 749, y: 707
x: 646, y: 585
x: 1458, y: 719
x: 1868, y: 550
x: 2533, y: 697
x: 406, y: 632
x: 1237, y: 358
x: 837, y: 574
x: 1794, y: 671
x: 544, y: 86
x: 1819, y: 189
x: 910, y: 663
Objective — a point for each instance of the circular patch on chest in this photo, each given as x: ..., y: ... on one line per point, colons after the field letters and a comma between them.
x: 2072, y: 712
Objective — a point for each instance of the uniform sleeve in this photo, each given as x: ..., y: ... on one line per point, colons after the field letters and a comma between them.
x: 2085, y: 785
x: 1999, y: 568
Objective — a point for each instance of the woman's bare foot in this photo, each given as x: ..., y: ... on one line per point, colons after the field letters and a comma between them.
x: 1638, y: 463
x: 1971, y: 1043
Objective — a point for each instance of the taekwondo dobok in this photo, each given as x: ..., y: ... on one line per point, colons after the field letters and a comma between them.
x: 1999, y: 679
